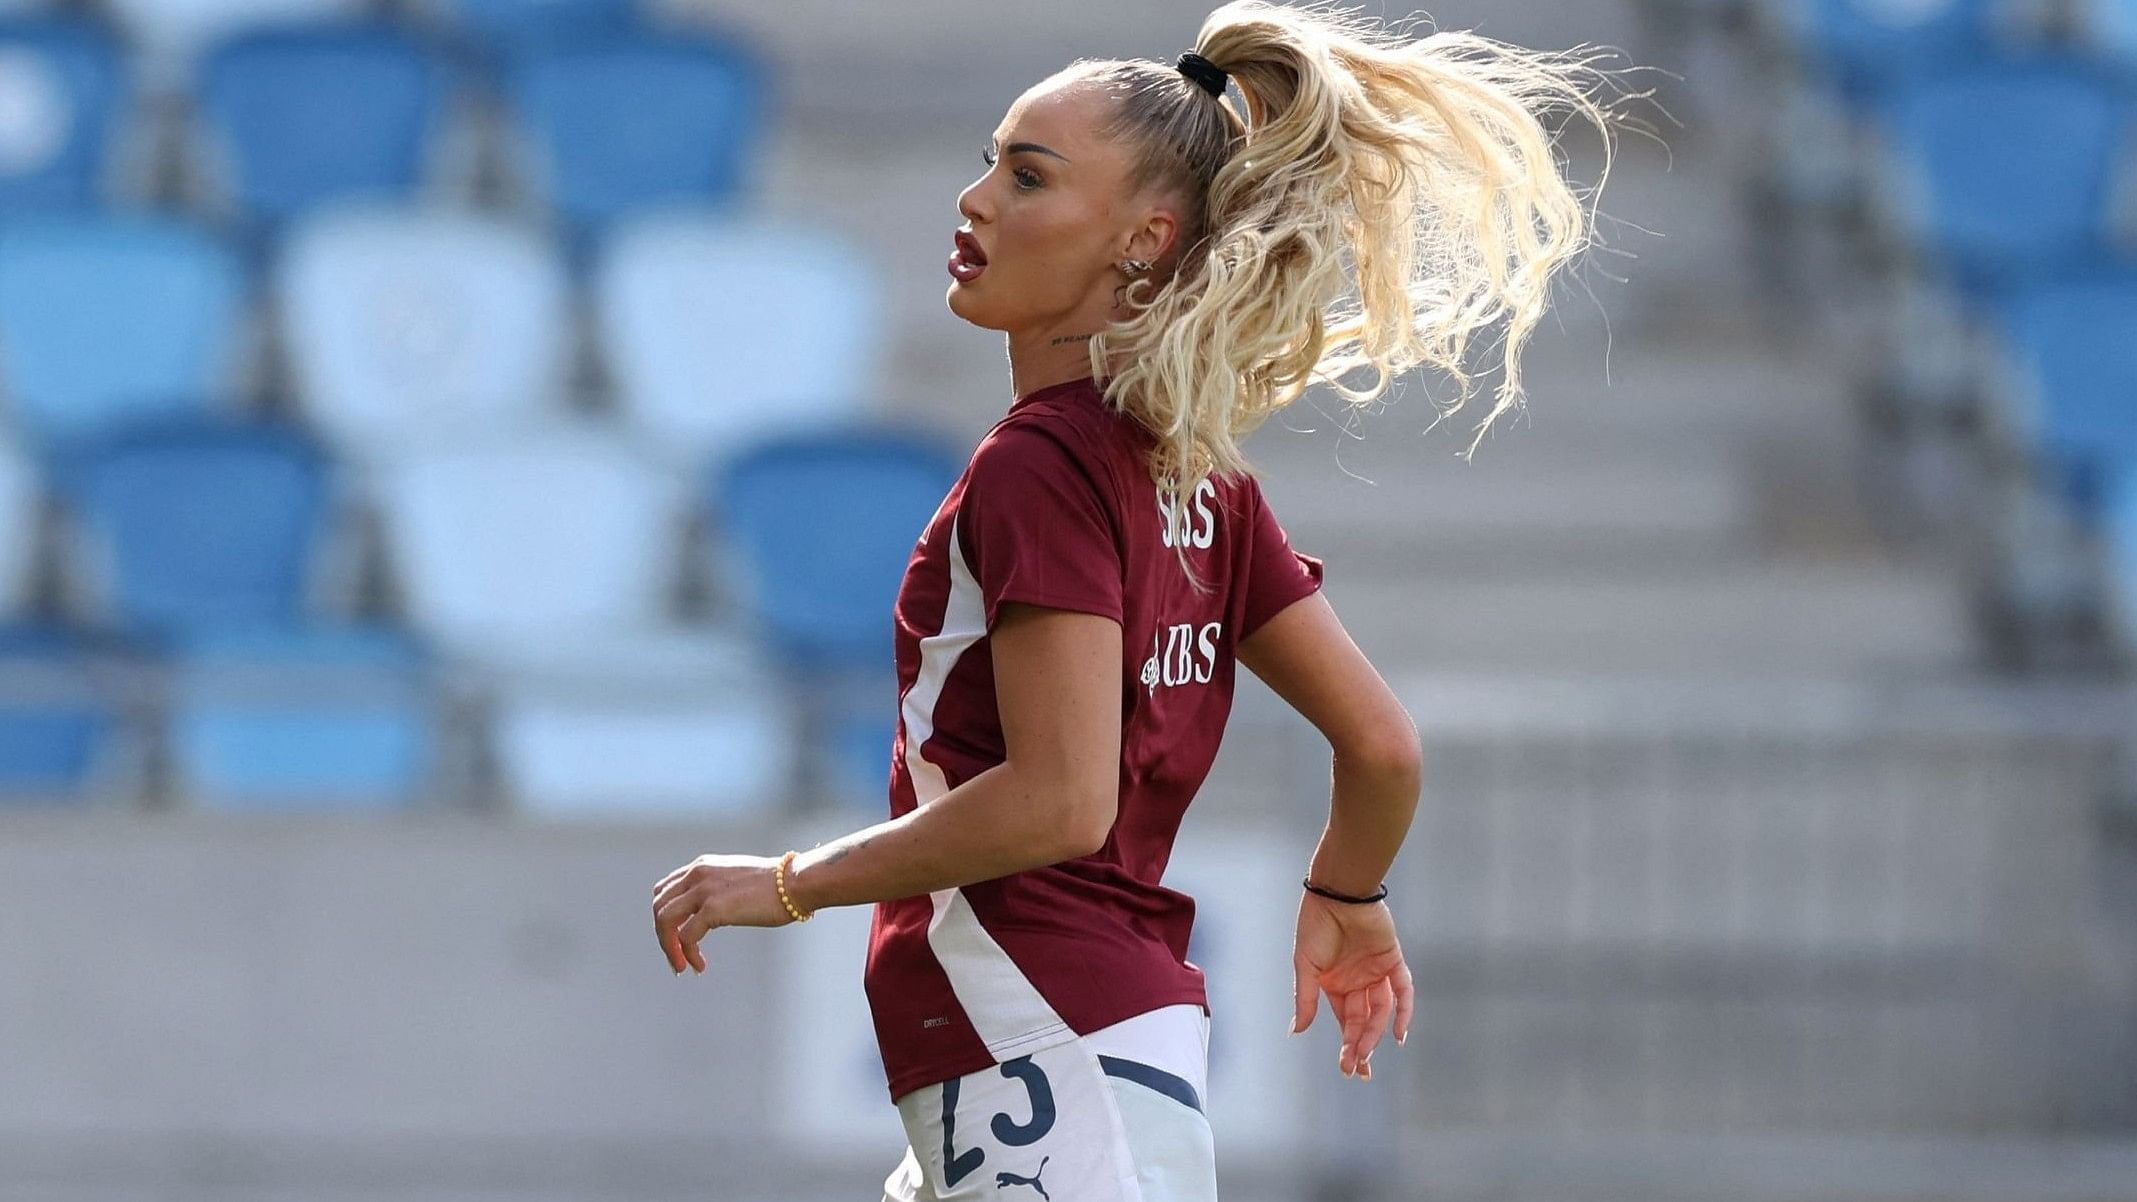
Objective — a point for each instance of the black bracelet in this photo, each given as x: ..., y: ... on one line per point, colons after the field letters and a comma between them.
x: 1332, y: 895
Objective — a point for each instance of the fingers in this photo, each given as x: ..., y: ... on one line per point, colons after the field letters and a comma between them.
x: 1306, y: 987
x: 1380, y: 1006
x: 1405, y: 1002
x: 1355, y: 1008
x: 678, y: 924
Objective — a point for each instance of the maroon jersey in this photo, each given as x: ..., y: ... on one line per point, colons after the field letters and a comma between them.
x: 1057, y: 508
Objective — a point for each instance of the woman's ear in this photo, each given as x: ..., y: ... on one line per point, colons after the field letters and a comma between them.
x: 1154, y: 238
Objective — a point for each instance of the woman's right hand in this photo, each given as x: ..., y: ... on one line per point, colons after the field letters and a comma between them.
x: 1351, y: 953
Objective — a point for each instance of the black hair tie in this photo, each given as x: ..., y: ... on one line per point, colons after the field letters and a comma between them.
x: 1202, y: 71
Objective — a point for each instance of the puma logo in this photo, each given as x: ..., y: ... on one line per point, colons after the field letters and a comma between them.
x: 1005, y: 1180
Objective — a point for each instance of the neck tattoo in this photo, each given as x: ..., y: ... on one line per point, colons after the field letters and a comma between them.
x: 1070, y: 338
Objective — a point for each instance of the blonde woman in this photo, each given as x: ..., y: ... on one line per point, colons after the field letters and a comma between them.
x: 1169, y: 270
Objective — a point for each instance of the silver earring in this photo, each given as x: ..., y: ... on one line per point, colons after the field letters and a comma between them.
x: 1134, y: 267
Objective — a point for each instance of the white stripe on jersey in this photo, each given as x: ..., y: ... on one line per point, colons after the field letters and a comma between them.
x: 1005, y: 1008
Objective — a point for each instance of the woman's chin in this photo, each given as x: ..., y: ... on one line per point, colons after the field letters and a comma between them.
x: 962, y: 303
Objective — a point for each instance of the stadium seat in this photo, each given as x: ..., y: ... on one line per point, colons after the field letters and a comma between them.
x: 60, y: 725
x: 2075, y: 347
x: 2113, y: 26
x: 196, y: 525
x: 519, y: 23
x: 63, y: 95
x: 2121, y: 541
x: 168, y: 36
x: 298, y: 117
x: 482, y: 529
x: 819, y: 528
x: 334, y: 719
x: 546, y: 559
x: 410, y: 327
x: 19, y: 501
x: 1867, y: 47
x: 2013, y: 160
x: 719, y: 331
x: 612, y: 126
x: 106, y: 318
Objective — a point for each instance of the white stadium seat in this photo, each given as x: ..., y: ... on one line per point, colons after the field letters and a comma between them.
x: 718, y: 331
x: 545, y: 558
x: 406, y: 327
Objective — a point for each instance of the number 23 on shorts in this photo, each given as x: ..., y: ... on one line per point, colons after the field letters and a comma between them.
x: 956, y: 1165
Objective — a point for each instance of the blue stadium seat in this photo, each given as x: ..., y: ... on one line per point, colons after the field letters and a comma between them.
x: 509, y: 23
x: 1867, y: 47
x: 201, y: 524
x: 718, y: 331
x: 299, y: 720
x: 64, y: 87
x: 2113, y: 27
x: 60, y: 724
x: 2015, y: 160
x: 821, y: 527
x: 168, y: 36
x: 106, y: 318
x: 2120, y: 505
x: 19, y: 502
x: 2075, y: 345
x: 408, y: 327
x: 613, y: 126
x: 308, y: 115
x: 545, y: 560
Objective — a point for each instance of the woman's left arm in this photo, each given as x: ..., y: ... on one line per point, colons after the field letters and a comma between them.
x: 1057, y: 683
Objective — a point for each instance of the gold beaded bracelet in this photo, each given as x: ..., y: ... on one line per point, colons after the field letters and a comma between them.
x: 779, y: 878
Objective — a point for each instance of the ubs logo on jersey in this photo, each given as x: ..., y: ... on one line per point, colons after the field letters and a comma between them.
x: 1182, y: 655
x: 1195, y: 528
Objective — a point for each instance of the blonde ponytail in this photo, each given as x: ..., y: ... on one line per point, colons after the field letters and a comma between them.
x: 1381, y: 203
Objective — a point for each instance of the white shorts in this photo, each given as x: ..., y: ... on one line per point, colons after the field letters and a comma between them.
x: 1114, y: 1116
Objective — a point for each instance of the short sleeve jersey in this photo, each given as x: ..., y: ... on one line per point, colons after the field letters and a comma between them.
x: 1057, y: 508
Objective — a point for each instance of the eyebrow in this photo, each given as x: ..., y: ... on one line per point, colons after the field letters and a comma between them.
x: 1034, y: 147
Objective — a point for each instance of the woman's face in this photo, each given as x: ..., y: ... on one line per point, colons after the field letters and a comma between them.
x: 1051, y: 218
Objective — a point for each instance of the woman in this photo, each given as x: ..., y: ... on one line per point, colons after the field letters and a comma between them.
x: 1168, y: 272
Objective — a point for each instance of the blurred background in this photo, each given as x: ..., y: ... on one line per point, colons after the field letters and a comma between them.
x: 456, y: 461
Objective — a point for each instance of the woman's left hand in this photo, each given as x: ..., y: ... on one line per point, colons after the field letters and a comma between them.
x: 711, y: 892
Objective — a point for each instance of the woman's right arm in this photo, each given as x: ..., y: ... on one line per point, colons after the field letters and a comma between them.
x: 1306, y: 657
x: 1350, y: 952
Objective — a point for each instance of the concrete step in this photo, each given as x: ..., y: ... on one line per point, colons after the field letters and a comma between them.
x: 1765, y: 616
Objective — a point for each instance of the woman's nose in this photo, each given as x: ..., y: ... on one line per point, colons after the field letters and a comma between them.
x: 968, y: 205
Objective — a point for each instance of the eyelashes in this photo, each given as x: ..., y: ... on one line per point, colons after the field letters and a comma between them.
x: 1027, y: 179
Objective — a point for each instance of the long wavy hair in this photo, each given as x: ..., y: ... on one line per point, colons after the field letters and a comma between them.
x: 1381, y: 202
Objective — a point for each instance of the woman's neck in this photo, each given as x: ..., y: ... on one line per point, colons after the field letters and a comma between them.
x: 1046, y: 360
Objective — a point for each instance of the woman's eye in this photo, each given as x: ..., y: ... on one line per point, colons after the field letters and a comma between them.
x: 986, y: 155
x: 1027, y: 179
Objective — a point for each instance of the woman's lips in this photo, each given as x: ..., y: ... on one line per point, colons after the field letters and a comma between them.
x: 967, y: 261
